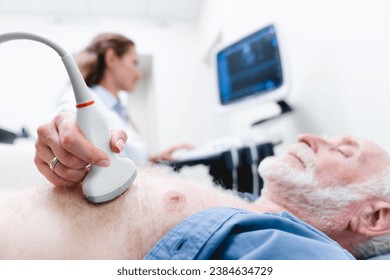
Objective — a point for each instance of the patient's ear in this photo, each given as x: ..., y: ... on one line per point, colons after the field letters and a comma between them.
x: 372, y: 220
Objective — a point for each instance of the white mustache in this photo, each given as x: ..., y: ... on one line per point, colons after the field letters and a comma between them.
x: 304, y: 153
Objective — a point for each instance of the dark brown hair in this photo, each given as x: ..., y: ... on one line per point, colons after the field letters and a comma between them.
x: 91, y: 60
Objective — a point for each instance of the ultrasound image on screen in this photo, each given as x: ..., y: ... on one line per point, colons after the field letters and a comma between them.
x: 250, y: 67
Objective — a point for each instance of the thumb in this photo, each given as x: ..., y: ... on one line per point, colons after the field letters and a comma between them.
x: 118, y: 140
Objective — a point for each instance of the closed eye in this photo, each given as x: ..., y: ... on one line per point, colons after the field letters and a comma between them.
x: 341, y: 152
x: 346, y: 151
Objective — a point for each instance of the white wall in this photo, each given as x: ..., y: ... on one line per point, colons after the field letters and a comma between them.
x: 338, y: 54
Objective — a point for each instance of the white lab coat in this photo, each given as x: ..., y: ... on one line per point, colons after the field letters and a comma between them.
x: 135, y: 148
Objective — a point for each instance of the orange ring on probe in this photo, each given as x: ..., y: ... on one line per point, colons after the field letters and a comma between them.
x: 86, y: 104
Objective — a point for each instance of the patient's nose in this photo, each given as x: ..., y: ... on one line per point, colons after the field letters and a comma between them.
x: 313, y: 141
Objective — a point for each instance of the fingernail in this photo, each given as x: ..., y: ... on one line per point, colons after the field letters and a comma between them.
x: 103, y: 163
x: 120, y: 144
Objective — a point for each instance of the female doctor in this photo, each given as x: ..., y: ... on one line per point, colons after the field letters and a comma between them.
x: 110, y: 65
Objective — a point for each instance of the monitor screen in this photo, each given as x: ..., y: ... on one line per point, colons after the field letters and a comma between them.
x: 251, y: 68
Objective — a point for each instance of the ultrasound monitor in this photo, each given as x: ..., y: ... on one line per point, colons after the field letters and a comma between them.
x: 251, y: 70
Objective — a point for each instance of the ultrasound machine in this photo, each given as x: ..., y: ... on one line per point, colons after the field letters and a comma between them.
x: 250, y: 71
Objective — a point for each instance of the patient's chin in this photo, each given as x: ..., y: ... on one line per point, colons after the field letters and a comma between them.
x: 276, y: 170
x: 265, y: 168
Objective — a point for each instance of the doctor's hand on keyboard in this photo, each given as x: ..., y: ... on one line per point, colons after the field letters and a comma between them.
x: 172, y: 154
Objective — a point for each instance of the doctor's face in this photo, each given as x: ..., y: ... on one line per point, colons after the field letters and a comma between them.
x: 127, y: 73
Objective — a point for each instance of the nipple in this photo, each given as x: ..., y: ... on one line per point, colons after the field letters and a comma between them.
x: 174, y: 200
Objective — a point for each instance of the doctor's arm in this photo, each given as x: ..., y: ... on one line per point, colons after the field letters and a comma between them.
x: 168, y: 154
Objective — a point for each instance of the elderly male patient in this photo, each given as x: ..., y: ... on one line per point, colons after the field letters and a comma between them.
x: 340, y: 186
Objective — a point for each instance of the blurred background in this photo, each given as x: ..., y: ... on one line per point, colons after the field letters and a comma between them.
x: 336, y: 53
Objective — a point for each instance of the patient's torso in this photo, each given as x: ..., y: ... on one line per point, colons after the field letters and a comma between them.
x: 46, y: 223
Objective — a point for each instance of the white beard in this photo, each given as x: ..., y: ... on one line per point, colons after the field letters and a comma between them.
x: 301, y: 192
x: 277, y: 169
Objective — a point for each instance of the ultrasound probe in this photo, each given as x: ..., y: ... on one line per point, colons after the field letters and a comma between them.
x: 101, y: 184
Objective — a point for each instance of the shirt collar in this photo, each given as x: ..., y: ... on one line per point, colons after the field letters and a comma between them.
x: 108, y: 99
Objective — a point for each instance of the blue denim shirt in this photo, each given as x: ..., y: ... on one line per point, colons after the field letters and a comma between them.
x: 228, y: 233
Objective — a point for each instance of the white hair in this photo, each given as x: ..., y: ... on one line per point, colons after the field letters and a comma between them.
x: 377, y: 186
x: 334, y: 200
